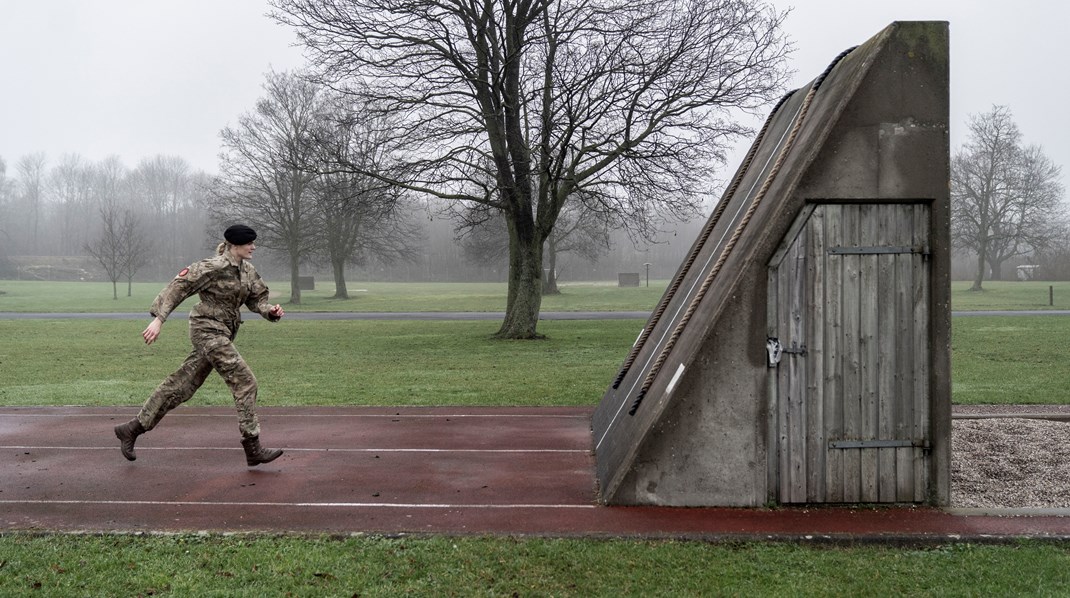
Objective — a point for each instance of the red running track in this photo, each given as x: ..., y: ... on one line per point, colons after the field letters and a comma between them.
x: 516, y: 471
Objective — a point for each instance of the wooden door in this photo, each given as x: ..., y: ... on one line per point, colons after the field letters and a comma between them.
x: 849, y: 313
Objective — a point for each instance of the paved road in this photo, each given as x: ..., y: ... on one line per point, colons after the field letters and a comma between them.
x: 447, y: 315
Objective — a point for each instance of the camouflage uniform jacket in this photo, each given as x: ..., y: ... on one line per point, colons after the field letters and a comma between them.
x: 224, y: 285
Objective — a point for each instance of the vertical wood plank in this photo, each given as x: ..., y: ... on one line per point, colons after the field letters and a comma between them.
x: 867, y: 346
x: 797, y: 430
x: 772, y: 457
x: 922, y: 347
x: 888, y: 234
x: 904, y: 314
x: 784, y: 400
x: 851, y: 357
x: 832, y: 363
x: 814, y: 331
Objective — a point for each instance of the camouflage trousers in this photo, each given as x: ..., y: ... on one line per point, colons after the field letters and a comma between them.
x: 213, y: 349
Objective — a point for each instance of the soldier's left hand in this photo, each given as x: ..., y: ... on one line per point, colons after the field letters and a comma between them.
x: 276, y: 311
x: 152, y: 332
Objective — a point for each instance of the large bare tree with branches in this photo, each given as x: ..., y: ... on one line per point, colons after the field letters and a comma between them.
x: 264, y: 180
x: 519, y: 105
x: 360, y: 216
x: 121, y: 248
x: 1006, y: 198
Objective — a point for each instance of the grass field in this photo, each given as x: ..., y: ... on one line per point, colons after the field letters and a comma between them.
x: 96, y: 297
x: 995, y: 360
x: 1038, y: 295
x: 104, y: 362
x: 100, y: 362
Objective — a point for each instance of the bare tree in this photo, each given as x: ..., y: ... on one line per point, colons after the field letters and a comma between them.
x: 71, y: 185
x: 162, y: 183
x: 579, y: 231
x: 122, y: 248
x: 5, y: 200
x: 31, y: 171
x: 1006, y: 199
x: 519, y: 105
x: 1054, y: 257
x: 359, y: 215
x: 7, y: 268
x: 359, y: 222
x: 1037, y: 218
x: 265, y: 173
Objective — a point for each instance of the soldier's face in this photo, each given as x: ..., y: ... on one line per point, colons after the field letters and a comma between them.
x: 244, y: 252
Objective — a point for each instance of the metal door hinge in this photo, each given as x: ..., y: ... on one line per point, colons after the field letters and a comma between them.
x: 878, y: 443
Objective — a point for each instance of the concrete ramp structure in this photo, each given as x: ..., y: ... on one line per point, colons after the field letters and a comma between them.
x: 802, y: 351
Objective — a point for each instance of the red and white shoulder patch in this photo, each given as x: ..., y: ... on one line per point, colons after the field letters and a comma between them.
x: 183, y: 272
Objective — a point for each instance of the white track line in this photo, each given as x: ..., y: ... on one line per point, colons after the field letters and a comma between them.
x: 270, y: 415
x: 295, y: 449
x: 377, y: 505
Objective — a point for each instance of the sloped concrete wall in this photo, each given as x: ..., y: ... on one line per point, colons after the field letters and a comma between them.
x: 877, y: 129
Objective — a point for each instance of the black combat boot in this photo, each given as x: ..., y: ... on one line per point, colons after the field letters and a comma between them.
x: 127, y: 434
x: 255, y: 454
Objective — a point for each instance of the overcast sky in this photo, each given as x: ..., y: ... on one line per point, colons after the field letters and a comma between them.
x: 136, y: 78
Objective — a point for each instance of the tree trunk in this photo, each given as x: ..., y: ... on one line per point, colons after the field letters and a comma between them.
x: 339, y: 267
x: 549, y: 283
x: 525, y: 283
x: 995, y: 270
x: 115, y: 289
x: 980, y: 274
x: 295, y: 283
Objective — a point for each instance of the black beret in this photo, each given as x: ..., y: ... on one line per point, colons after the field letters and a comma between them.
x: 239, y: 234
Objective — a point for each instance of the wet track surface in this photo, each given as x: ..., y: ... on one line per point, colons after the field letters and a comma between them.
x: 346, y: 470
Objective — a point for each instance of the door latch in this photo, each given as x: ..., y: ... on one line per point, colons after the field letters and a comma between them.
x: 776, y: 350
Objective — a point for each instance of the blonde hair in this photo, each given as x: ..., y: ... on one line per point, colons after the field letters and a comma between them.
x: 224, y: 246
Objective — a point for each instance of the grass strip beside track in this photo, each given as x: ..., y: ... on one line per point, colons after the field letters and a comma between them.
x: 192, y: 565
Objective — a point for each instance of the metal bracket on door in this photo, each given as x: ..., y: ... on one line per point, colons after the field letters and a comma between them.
x: 776, y: 350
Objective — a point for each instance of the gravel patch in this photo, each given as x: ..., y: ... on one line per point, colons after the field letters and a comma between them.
x: 1010, y: 462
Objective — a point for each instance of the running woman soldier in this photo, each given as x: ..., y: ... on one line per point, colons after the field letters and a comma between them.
x: 225, y: 283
